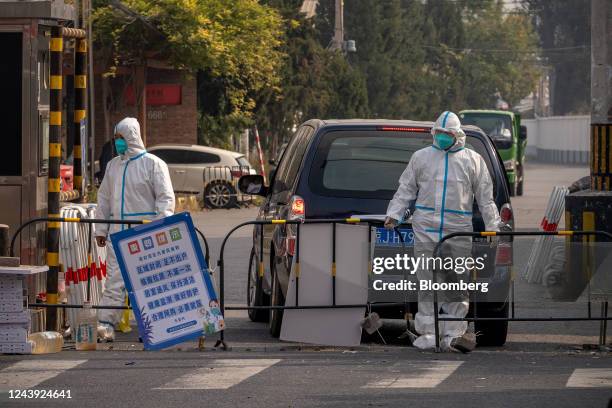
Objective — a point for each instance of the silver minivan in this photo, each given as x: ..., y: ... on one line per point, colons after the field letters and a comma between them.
x: 206, y: 171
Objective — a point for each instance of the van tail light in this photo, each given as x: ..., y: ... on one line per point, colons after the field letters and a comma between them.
x: 506, y: 214
x: 403, y: 129
x: 297, y: 211
x: 236, y: 173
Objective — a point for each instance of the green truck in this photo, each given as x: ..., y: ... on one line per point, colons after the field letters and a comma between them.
x: 510, y: 138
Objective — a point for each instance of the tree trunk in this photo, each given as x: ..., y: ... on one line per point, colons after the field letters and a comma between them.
x: 140, y: 89
x: 106, y: 108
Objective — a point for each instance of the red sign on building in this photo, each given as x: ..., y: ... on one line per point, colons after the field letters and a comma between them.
x: 157, y: 94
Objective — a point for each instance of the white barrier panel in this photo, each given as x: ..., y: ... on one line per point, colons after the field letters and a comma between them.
x: 331, y: 327
x: 560, y: 139
x: 75, y: 259
x: 540, y: 254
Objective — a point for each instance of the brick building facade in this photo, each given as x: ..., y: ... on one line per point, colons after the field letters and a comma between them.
x: 175, y: 123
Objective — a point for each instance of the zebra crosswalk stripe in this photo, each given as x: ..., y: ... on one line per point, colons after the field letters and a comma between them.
x: 425, y: 374
x: 29, y: 373
x: 590, y: 378
x: 221, y: 375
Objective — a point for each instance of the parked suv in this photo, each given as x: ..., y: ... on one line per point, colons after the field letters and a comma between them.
x: 344, y: 168
x: 206, y: 171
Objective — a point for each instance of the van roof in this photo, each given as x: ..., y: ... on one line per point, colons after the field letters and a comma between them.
x: 492, y: 111
x: 380, y: 122
x: 198, y: 148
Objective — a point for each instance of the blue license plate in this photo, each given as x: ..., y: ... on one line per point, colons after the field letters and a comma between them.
x: 385, y: 237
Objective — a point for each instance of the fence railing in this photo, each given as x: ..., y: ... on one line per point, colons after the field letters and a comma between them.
x: 296, y: 259
x: 90, y: 275
x: 604, y: 304
x: 367, y: 268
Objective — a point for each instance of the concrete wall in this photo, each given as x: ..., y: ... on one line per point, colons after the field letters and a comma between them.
x: 559, y: 139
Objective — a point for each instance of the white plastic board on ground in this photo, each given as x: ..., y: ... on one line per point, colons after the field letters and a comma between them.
x: 333, y: 327
x: 22, y: 270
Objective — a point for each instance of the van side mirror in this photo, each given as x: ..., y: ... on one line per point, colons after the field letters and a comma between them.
x: 252, y: 184
x: 523, y: 133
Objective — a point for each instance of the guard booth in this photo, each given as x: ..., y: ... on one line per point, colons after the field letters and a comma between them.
x: 34, y: 36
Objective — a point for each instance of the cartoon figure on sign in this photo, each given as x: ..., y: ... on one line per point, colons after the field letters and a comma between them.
x: 213, y: 320
x: 216, y: 314
x: 209, y: 326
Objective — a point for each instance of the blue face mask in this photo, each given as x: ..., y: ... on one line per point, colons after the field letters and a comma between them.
x: 444, y: 140
x: 121, y: 146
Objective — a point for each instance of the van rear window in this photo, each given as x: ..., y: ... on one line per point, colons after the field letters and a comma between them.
x: 368, y: 164
x: 242, y: 161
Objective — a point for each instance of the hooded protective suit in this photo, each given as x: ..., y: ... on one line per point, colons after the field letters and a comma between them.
x: 444, y: 184
x: 136, y: 186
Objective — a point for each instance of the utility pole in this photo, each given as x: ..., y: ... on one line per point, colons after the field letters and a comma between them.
x: 337, y: 42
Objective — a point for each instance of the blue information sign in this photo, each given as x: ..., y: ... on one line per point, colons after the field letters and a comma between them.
x: 167, y: 279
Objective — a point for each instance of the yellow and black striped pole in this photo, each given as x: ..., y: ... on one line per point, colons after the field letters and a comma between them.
x: 55, y: 152
x: 601, y: 157
x: 80, y: 108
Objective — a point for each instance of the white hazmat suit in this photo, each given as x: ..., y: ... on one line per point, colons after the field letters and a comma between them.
x: 444, y: 184
x: 136, y: 186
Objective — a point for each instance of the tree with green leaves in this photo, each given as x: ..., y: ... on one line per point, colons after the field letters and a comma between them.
x: 235, y: 43
x: 564, y: 28
x: 501, y: 55
x: 422, y: 57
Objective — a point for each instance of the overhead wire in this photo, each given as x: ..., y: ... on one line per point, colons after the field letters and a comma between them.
x: 468, y: 49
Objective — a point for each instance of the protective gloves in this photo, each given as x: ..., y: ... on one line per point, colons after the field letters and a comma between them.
x: 390, y: 223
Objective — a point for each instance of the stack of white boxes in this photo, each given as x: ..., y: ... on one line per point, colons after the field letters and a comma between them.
x: 14, y: 315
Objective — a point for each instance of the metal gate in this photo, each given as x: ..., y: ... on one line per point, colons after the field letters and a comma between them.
x: 487, y: 234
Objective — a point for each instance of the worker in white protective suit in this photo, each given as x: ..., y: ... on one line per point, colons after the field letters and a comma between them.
x: 444, y: 179
x: 136, y: 186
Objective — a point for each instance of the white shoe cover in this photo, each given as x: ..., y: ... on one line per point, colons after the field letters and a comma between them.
x: 425, y: 342
x: 106, y: 332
